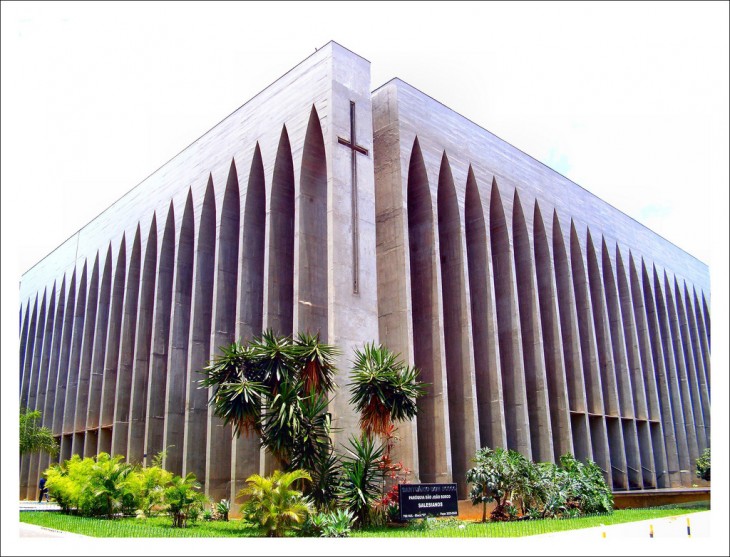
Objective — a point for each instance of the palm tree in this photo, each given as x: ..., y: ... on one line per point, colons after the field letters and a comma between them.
x: 276, y: 387
x: 384, y: 389
x: 182, y: 497
x: 33, y: 437
x: 274, y: 504
x: 109, y: 479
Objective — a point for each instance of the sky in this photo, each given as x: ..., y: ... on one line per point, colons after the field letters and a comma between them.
x: 629, y: 100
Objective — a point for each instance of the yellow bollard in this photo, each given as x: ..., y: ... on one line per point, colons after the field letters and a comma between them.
x: 689, y: 532
x: 651, y: 531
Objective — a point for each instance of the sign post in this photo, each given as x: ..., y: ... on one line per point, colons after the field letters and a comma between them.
x: 420, y: 500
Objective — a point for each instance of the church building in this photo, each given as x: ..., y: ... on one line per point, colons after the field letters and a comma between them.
x: 544, y: 319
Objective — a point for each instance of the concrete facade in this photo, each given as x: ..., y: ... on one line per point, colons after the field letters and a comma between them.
x: 543, y: 319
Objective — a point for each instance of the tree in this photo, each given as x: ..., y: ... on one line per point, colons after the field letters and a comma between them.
x: 274, y: 504
x: 384, y: 389
x: 703, y: 465
x: 33, y: 437
x: 277, y: 387
x: 495, y: 477
x: 183, y: 499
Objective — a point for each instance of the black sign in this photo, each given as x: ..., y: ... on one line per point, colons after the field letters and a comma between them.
x: 419, y: 500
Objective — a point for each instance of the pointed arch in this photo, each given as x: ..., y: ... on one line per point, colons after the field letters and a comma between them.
x: 174, y: 429
x: 47, y: 417
x: 698, y: 363
x: 25, y: 371
x: 589, y: 352
x: 702, y: 332
x: 463, y: 427
x: 484, y: 322
x: 112, y: 351
x: 508, y: 325
x: 143, y: 339
x: 694, y: 426
x: 280, y: 307
x: 96, y: 382
x: 196, y: 430
x: 87, y: 347
x: 120, y: 433
x: 432, y: 415
x: 312, y: 272
x: 555, y: 368
x: 24, y: 343
x: 251, y: 300
x: 219, y: 436
x: 63, y: 365
x: 160, y: 341
x: 572, y: 355
x: 636, y: 383
x: 670, y: 369
x: 533, y: 358
x: 35, y: 470
x: 660, y: 374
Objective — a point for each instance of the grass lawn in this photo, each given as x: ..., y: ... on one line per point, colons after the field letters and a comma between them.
x: 160, y: 527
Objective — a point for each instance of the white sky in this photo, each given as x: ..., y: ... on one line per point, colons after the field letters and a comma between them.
x: 629, y: 100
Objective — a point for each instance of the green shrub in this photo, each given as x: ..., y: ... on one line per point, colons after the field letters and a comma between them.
x: 362, y: 479
x: 703, y: 465
x: 183, y: 502
x: 222, y: 509
x: 332, y: 524
x: 274, y: 505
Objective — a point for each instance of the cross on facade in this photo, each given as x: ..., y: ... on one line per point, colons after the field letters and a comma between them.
x: 354, y: 149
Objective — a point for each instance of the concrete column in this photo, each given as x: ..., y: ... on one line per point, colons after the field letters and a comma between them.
x: 218, y: 480
x: 154, y: 434
x: 533, y: 348
x: 609, y: 362
x: 196, y: 416
x: 555, y: 367
x: 87, y: 349
x: 393, y: 262
x: 635, y: 379
x: 96, y: 380
x: 691, y: 422
x: 111, y: 364
x: 490, y: 401
x: 123, y: 394
x: 175, y: 402
x: 463, y: 417
x: 245, y: 451
x: 24, y: 344
x: 572, y: 355
x: 35, y: 460
x: 510, y: 336
x: 434, y: 444
x: 66, y: 349
x: 699, y: 363
x: 136, y: 448
x: 704, y: 340
x: 670, y: 431
x: 683, y: 441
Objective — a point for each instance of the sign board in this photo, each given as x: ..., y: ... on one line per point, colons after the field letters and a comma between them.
x: 420, y: 500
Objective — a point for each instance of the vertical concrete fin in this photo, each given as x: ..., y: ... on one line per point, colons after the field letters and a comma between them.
x: 490, y: 400
x: 136, y: 450
x: 571, y: 345
x: 196, y: 423
x: 154, y: 441
x: 313, y: 258
x: 508, y: 324
x: 432, y: 420
x: 541, y: 433
x: 555, y: 368
x: 224, y: 317
x: 174, y: 428
x: 463, y: 423
x: 122, y: 400
x: 279, y: 294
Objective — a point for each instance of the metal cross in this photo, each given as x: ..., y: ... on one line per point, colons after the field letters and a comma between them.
x: 354, y: 149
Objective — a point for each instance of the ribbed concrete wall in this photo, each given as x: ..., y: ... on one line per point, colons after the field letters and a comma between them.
x: 554, y: 322
x: 543, y: 319
x: 249, y: 227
